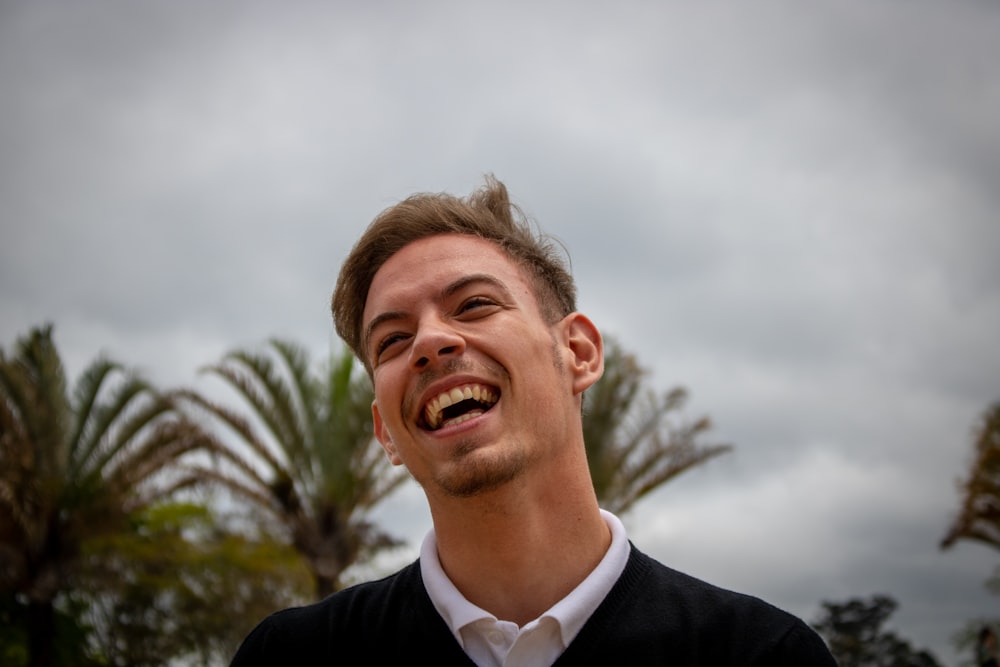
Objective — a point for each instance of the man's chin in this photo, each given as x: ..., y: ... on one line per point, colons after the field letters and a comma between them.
x: 472, y: 477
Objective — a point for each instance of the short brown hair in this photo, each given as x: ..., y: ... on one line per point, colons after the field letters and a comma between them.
x: 486, y: 213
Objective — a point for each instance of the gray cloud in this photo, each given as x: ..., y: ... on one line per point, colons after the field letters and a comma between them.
x: 789, y: 209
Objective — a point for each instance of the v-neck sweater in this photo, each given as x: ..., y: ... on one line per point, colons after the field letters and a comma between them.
x: 654, y: 615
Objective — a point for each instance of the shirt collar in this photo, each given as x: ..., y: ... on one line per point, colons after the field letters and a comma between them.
x: 456, y: 611
x: 571, y: 613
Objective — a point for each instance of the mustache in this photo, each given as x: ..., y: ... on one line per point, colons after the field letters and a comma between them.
x: 455, y: 366
x: 450, y: 367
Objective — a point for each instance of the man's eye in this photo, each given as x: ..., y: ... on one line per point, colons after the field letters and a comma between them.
x: 474, y: 303
x: 387, y: 342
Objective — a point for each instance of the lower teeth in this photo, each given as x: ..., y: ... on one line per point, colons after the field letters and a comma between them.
x: 462, y: 418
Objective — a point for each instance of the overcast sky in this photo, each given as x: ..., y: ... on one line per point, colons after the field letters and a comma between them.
x: 789, y: 208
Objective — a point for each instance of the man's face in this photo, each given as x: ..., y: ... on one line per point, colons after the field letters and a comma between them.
x: 471, y: 383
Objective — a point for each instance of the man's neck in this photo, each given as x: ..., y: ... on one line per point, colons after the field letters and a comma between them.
x: 515, y: 552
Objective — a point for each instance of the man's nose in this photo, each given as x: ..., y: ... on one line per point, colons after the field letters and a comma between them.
x: 435, y: 340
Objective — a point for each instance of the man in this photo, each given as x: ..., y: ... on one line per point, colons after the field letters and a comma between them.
x: 465, y: 319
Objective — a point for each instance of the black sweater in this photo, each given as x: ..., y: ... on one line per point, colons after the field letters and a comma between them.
x: 654, y: 615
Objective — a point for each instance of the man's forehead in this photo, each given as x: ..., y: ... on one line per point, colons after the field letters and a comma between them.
x: 442, y: 258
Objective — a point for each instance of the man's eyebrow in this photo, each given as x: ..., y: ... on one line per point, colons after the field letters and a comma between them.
x: 465, y: 281
x: 450, y: 290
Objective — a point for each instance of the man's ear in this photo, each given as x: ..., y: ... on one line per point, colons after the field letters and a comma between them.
x: 587, y: 351
x: 383, y: 437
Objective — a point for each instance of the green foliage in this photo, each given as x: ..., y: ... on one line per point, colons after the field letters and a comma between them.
x: 179, y: 586
x: 854, y: 632
x: 74, y: 467
x: 305, y: 453
x: 966, y: 640
x: 174, y: 588
x: 13, y: 637
x: 636, y: 439
x: 68, y: 646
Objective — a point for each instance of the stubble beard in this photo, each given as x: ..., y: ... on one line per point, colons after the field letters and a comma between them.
x: 472, y: 471
x: 475, y: 472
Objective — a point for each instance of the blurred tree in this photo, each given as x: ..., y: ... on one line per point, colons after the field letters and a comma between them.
x: 71, y: 634
x: 635, y: 441
x: 180, y: 589
x: 979, y: 516
x: 853, y: 631
x: 73, y: 468
x: 312, y: 461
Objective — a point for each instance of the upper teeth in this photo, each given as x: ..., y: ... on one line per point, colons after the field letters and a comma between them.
x: 432, y: 412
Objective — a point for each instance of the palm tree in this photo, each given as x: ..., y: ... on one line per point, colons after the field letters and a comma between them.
x: 635, y: 441
x: 979, y: 517
x: 73, y: 468
x: 307, y: 453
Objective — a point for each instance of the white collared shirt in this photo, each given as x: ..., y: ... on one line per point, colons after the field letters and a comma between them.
x: 491, y: 642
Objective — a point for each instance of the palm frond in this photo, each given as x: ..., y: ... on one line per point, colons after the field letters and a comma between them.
x: 307, y: 449
x: 103, y: 417
x: 243, y: 429
x: 347, y: 428
x: 254, y: 377
x: 123, y: 446
x: 33, y: 384
x: 978, y: 518
x: 163, y: 443
x: 636, y: 439
x: 305, y: 395
x: 275, y: 386
x: 85, y: 396
x: 72, y: 467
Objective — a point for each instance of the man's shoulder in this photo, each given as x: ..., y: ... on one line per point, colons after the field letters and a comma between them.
x: 403, y: 587
x: 353, y: 621
x: 395, y: 592
x: 681, y: 618
x: 690, y: 593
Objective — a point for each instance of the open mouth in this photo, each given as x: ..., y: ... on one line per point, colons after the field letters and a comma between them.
x: 458, y: 405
